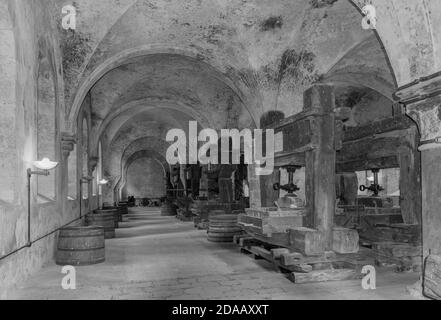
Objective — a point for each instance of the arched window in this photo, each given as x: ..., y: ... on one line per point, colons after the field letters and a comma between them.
x: 46, y: 127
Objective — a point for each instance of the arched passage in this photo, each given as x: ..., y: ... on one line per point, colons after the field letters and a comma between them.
x: 134, y: 69
x: 144, y: 174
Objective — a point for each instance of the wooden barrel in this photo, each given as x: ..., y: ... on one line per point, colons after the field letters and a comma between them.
x: 168, y: 209
x: 79, y: 246
x: 222, y: 228
x: 124, y: 207
x: 120, y: 213
x: 213, y: 213
x: 116, y: 212
x: 105, y: 219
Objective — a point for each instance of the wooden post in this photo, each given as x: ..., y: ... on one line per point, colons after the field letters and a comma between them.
x: 409, y: 159
x: 268, y: 194
x: 320, y: 162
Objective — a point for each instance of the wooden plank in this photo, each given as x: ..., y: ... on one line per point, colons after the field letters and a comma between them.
x: 276, y: 253
x: 302, y: 267
x: 297, y: 136
x: 248, y: 241
x: 396, y: 232
x: 291, y: 258
x: 323, y: 275
x: 366, y: 164
x: 289, y: 158
x: 369, y: 148
x: 261, y: 252
x: 276, y: 239
x: 390, y: 124
x: 396, y: 249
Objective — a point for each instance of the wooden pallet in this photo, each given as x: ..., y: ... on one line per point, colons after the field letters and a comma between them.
x: 303, y: 269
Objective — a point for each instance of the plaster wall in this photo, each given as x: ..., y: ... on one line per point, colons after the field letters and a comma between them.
x: 145, y: 179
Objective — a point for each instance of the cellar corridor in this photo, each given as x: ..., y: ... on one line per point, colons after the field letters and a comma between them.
x: 157, y: 257
x: 231, y: 149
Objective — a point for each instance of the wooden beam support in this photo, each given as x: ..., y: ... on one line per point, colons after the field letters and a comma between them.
x: 268, y: 194
x: 410, y: 180
x: 320, y: 163
x: 386, y: 125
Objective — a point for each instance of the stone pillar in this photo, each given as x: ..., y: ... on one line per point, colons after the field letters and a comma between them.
x: 320, y: 162
x: 423, y: 104
x: 68, y: 142
x: 93, y: 162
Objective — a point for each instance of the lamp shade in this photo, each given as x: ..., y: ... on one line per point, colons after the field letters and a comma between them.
x: 45, y: 164
x: 102, y: 181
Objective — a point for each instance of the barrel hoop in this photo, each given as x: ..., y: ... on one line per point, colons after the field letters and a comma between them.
x: 88, y: 249
x: 81, y: 236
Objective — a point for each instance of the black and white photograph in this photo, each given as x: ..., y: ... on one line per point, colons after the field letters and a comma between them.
x: 219, y: 156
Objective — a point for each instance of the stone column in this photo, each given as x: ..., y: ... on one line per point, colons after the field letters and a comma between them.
x: 423, y: 104
x: 93, y: 162
x: 68, y: 142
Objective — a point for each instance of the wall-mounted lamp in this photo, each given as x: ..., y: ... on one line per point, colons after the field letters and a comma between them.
x: 44, y: 165
x: 103, y: 182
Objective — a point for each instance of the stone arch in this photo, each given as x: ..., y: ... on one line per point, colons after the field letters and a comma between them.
x: 248, y: 96
x: 142, y: 154
x: 131, y: 109
x: 405, y: 31
x: 155, y: 145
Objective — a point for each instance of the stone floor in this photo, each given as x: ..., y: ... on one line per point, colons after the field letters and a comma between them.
x: 154, y: 257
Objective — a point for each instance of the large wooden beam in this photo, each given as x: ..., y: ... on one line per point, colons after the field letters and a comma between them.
x: 386, y: 125
x: 268, y: 194
x: 370, y: 148
x: 410, y: 181
x: 367, y: 164
x: 320, y: 163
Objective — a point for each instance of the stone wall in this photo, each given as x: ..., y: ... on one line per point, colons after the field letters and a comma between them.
x: 30, y: 53
x: 145, y: 179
